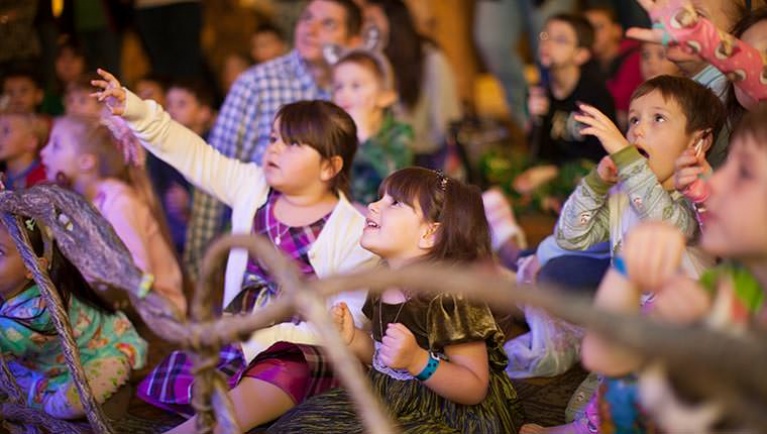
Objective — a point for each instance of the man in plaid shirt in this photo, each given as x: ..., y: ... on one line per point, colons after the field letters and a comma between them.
x: 243, y: 126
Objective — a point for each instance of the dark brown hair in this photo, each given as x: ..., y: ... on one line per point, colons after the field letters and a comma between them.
x: 463, y: 234
x: 584, y: 31
x: 325, y: 127
x: 197, y: 88
x: 703, y: 110
x: 353, y: 19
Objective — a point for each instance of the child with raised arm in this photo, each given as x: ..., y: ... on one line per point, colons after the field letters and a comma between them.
x: 635, y: 181
x: 108, y: 344
x: 297, y: 199
x: 730, y: 296
x: 437, y: 359
x: 363, y: 85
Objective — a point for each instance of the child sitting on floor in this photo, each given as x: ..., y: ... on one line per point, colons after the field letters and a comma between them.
x: 21, y: 136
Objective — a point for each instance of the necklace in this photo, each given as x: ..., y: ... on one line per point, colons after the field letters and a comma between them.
x: 380, y: 315
x: 271, y: 221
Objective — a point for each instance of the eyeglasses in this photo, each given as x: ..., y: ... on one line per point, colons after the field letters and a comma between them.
x: 559, y: 40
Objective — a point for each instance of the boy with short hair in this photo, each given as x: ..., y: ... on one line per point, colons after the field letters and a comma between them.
x: 556, y: 144
x: 21, y: 136
x: 78, y: 100
x: 23, y: 90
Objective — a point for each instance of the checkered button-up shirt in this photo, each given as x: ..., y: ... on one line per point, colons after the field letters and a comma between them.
x: 242, y: 131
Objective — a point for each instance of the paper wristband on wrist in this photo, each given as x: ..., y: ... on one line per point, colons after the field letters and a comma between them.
x: 146, y: 285
x: 429, y: 369
x: 620, y: 266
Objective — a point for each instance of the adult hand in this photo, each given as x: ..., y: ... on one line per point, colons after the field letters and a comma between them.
x: 111, y: 94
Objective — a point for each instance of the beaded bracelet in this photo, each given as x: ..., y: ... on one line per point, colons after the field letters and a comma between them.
x: 429, y: 369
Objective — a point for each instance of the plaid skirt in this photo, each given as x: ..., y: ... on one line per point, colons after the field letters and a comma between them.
x: 301, y: 371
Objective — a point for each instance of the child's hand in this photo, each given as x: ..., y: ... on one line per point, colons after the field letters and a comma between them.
x: 684, y: 14
x: 399, y: 349
x: 177, y: 202
x: 653, y: 253
x: 534, y: 177
x: 342, y: 318
x: 537, y: 102
x: 601, y: 127
x: 681, y: 300
x: 688, y: 167
x: 607, y: 170
x: 111, y: 94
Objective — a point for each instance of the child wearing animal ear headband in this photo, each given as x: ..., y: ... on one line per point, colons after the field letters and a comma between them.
x: 363, y: 85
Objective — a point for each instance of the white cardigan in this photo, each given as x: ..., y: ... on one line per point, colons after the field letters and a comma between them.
x: 243, y: 187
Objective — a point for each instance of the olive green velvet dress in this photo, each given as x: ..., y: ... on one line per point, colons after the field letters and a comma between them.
x: 436, y: 323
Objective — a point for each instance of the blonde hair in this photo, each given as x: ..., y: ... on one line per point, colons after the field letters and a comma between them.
x: 33, y: 123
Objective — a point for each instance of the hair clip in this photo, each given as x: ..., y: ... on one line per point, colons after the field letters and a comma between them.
x: 442, y: 180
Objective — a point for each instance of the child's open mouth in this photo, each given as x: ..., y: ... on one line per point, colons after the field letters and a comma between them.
x: 642, y: 152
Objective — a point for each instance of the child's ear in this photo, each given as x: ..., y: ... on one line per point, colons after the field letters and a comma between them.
x: 582, y: 55
x: 387, y: 98
x: 86, y: 162
x: 429, y: 237
x: 706, y: 138
x: 331, y: 167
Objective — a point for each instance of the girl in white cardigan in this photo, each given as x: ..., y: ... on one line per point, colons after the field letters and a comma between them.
x: 297, y: 200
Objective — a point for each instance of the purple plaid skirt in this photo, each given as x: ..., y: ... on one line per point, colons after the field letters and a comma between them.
x: 301, y: 371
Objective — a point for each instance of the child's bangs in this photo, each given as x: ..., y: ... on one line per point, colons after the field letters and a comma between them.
x: 303, y: 125
x: 408, y: 186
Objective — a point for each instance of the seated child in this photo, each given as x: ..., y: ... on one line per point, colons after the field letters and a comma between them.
x: 635, y: 182
x: 617, y: 57
x: 437, y: 360
x: 653, y: 61
x: 363, y: 85
x: 108, y: 344
x: 297, y: 200
x: 22, y: 89
x: 560, y: 153
x: 21, y: 136
x: 84, y: 154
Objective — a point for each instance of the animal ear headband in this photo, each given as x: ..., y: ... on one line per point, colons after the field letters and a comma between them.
x: 372, y: 47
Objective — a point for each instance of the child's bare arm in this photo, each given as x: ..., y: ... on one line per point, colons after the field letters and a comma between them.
x: 463, y: 379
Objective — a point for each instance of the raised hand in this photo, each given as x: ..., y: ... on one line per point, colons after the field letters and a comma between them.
x: 344, y: 322
x: 111, y: 94
x: 652, y: 253
x: 601, y: 127
x: 685, y: 17
x: 399, y: 349
x: 688, y: 168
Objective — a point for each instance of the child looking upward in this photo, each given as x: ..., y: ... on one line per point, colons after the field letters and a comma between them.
x: 363, y: 85
x: 296, y: 199
x: 21, y: 136
x: 438, y: 364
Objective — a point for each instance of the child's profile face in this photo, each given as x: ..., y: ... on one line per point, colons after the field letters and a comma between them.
x: 657, y: 127
x: 292, y: 168
x: 13, y: 272
x: 737, y: 208
x: 653, y: 62
x: 23, y: 94
x: 61, y: 154
x: 183, y: 107
x: 558, y: 45
x: 16, y: 139
x: 78, y: 102
x: 265, y: 46
x: 395, y: 231
x: 357, y: 89
x: 755, y: 36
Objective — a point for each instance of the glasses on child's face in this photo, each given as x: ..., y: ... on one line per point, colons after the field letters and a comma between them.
x: 558, y: 39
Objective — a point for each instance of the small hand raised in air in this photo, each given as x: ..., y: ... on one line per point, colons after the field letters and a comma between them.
x: 601, y: 127
x: 111, y: 94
